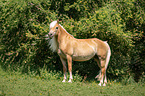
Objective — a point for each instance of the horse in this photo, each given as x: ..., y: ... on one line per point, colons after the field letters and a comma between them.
x: 70, y: 48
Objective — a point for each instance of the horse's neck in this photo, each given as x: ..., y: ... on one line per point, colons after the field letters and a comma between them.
x: 63, y: 34
x: 60, y: 38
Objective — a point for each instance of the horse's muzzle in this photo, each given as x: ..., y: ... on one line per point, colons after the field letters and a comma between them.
x: 50, y: 35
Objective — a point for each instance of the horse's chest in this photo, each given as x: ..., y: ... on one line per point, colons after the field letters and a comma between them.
x: 61, y: 54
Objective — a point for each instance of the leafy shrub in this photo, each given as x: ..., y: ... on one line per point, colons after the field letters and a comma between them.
x: 24, y: 24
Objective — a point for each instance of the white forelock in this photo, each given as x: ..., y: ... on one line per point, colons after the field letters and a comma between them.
x: 52, y: 24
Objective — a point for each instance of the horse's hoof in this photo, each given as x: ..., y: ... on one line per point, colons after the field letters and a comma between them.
x: 70, y: 81
x: 99, y: 84
x: 104, y: 84
x: 63, y: 81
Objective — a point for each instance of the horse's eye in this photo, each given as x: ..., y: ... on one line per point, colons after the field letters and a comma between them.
x: 56, y: 27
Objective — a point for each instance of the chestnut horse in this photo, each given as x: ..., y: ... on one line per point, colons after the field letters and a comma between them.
x: 70, y: 48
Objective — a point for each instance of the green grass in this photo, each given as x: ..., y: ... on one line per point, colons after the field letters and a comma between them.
x: 16, y: 84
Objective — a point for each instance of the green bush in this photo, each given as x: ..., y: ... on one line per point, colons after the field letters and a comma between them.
x: 24, y: 24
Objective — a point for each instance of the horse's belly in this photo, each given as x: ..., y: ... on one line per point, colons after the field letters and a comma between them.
x: 82, y: 58
x: 83, y: 54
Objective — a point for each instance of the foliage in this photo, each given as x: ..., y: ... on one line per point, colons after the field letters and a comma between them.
x: 17, y: 84
x: 24, y: 24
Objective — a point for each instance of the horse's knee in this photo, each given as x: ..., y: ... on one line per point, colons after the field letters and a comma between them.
x: 103, y: 70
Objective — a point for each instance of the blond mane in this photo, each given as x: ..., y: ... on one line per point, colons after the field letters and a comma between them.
x: 65, y: 30
x: 53, y: 44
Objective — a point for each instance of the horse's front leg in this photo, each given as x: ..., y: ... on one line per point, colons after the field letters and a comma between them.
x: 64, y: 68
x: 69, y: 60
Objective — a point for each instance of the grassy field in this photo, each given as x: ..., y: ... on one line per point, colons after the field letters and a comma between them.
x: 16, y: 84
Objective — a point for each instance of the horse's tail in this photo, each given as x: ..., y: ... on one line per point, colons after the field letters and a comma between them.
x: 99, y: 76
x: 108, y: 56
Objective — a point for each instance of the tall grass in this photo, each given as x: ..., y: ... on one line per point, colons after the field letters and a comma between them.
x: 49, y: 84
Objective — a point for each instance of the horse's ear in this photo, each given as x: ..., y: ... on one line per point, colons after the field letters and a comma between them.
x: 58, y: 21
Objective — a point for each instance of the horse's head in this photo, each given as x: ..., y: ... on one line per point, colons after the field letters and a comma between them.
x: 53, y: 28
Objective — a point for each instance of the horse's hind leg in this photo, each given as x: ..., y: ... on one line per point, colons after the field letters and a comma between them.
x: 104, y: 64
x: 98, y: 62
x: 101, y: 64
x: 64, y: 68
x: 105, y: 80
x: 103, y: 72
